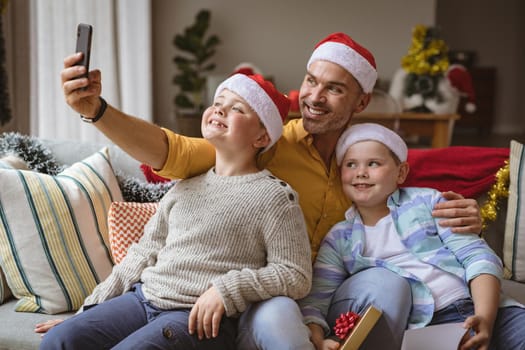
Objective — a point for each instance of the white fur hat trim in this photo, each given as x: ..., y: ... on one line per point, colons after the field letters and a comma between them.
x: 350, y: 60
x: 260, y: 102
x: 371, y: 132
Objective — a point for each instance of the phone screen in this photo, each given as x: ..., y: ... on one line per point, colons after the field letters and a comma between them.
x: 84, y: 34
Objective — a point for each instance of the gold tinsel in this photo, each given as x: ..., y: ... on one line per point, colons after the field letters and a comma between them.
x: 423, y: 52
x: 500, y: 189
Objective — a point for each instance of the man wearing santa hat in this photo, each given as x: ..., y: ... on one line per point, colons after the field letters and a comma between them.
x: 338, y: 83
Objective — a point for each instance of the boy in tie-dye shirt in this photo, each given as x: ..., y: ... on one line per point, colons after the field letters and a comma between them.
x: 453, y: 278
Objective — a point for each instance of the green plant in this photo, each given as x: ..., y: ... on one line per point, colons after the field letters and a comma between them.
x: 192, y: 68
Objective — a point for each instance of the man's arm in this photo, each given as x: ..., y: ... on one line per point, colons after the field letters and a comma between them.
x: 461, y: 214
x: 142, y: 140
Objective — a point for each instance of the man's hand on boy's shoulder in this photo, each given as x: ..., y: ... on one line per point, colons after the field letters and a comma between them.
x: 459, y: 213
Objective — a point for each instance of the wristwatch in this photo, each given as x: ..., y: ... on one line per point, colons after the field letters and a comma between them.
x: 103, y: 106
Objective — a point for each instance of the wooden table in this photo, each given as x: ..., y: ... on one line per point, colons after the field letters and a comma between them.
x: 438, y: 127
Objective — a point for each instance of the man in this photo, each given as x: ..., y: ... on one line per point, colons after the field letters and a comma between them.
x: 338, y: 83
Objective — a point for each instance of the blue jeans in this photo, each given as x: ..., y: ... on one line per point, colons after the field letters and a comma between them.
x: 276, y: 324
x: 129, y: 321
x: 509, y: 327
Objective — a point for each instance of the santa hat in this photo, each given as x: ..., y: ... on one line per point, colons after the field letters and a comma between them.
x: 270, y: 105
x: 371, y: 132
x: 460, y: 78
x: 246, y: 68
x: 339, y: 48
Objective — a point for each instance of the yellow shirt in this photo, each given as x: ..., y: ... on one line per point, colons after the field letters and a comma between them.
x: 293, y: 158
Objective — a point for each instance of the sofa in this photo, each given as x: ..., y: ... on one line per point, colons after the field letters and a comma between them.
x: 17, y: 331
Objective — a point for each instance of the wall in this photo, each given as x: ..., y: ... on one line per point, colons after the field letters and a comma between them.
x: 278, y: 36
x: 495, y: 33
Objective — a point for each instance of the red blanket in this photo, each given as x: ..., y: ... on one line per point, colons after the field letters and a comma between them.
x: 467, y: 170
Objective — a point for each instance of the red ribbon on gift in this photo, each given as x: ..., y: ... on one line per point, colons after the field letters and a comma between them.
x: 345, y: 323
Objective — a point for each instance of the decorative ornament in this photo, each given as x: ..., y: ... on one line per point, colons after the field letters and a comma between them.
x: 427, y: 82
x: 428, y: 54
x: 425, y: 63
x: 345, y: 323
x: 500, y: 189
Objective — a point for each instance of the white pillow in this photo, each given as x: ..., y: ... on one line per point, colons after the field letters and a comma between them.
x: 514, y: 241
x: 54, y: 246
x: 8, y: 162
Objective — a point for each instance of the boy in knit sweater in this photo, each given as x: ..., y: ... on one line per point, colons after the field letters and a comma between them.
x: 453, y: 278
x: 218, y: 242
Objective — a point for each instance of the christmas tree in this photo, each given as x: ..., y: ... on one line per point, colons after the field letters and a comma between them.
x: 426, y: 62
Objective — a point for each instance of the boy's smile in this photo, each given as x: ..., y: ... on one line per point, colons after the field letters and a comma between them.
x: 215, y: 122
x: 230, y: 117
x: 369, y: 174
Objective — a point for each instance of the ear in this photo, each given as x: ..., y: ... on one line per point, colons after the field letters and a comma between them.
x: 364, y: 100
x: 404, y: 168
x: 262, y: 141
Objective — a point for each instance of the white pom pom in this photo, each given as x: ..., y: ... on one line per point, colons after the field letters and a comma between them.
x: 470, y: 107
x: 415, y: 100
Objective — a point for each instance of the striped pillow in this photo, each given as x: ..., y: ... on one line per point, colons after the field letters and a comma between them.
x: 5, y: 292
x: 514, y: 240
x: 8, y: 162
x: 54, y: 244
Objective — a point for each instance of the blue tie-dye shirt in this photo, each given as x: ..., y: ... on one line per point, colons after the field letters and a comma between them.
x: 340, y: 255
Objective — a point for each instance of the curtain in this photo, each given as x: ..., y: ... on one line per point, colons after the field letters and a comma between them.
x: 121, y: 49
x: 5, y: 110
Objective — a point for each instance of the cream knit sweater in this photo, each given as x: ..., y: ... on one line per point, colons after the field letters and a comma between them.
x: 245, y: 235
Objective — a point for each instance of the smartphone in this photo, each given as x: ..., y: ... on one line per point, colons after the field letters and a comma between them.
x: 84, y: 35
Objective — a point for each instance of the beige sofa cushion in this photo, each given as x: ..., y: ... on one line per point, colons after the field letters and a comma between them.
x: 8, y: 162
x: 54, y: 237
x: 126, y: 221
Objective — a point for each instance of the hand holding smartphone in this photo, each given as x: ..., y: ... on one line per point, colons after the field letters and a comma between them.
x: 84, y: 35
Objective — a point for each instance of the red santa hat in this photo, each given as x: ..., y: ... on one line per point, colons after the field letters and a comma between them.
x: 247, y: 68
x: 270, y: 105
x: 460, y: 78
x: 339, y: 48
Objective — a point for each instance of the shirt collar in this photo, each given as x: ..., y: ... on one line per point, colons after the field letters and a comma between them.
x: 302, y: 134
x: 393, y: 199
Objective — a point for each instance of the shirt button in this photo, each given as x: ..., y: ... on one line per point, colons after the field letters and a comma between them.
x: 167, y: 333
